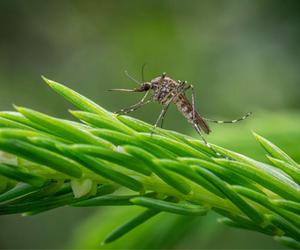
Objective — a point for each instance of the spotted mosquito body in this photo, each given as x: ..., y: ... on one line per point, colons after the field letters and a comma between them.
x: 167, y: 91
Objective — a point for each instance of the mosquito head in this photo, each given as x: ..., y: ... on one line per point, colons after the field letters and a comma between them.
x: 145, y: 86
x: 142, y: 88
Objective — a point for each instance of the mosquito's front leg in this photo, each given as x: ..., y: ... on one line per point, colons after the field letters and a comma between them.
x: 132, y: 108
x: 136, y: 106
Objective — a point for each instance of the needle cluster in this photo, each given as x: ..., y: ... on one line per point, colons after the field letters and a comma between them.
x: 109, y: 160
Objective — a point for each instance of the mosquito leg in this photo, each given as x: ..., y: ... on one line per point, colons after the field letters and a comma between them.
x: 193, y: 102
x: 136, y: 106
x: 196, y: 127
x: 132, y: 108
x: 182, y: 89
x: 163, y: 112
x: 162, y: 122
x: 144, y: 97
x: 233, y: 121
x: 205, y: 141
x: 161, y: 117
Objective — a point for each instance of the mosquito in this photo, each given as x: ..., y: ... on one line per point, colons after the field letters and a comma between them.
x: 167, y: 91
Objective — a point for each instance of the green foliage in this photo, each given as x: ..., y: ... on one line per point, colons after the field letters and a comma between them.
x: 163, y: 231
x: 113, y: 160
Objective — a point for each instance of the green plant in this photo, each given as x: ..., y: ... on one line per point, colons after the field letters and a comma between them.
x: 113, y: 160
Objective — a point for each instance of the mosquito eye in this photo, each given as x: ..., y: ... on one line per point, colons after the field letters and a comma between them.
x: 146, y: 86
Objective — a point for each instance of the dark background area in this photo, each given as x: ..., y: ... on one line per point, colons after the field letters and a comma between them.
x: 241, y: 55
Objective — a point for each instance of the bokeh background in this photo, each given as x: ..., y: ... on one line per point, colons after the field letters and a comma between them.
x: 241, y: 55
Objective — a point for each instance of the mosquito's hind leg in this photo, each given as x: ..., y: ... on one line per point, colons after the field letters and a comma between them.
x: 197, y: 128
x: 233, y: 121
x: 205, y: 141
x: 134, y: 107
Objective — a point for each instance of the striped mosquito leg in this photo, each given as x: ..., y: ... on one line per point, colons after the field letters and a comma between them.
x: 135, y: 106
x: 205, y: 141
x: 197, y: 127
x: 193, y: 101
x: 161, y: 117
x: 132, y: 108
x: 162, y: 121
x: 233, y: 121
x: 174, y: 96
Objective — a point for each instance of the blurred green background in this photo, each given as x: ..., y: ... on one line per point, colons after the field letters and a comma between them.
x: 241, y: 55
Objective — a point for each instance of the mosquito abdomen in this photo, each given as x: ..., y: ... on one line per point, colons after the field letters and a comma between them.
x: 186, y: 109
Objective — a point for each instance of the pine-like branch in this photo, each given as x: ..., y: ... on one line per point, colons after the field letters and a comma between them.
x: 104, y: 159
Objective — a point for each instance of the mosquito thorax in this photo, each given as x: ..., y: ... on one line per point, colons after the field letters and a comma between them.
x: 155, y: 82
x: 160, y: 81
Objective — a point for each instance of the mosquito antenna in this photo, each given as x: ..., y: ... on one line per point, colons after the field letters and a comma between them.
x: 143, y: 67
x: 130, y: 77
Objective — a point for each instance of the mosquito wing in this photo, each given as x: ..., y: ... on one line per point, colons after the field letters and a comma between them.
x: 186, y: 109
x: 200, y: 121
